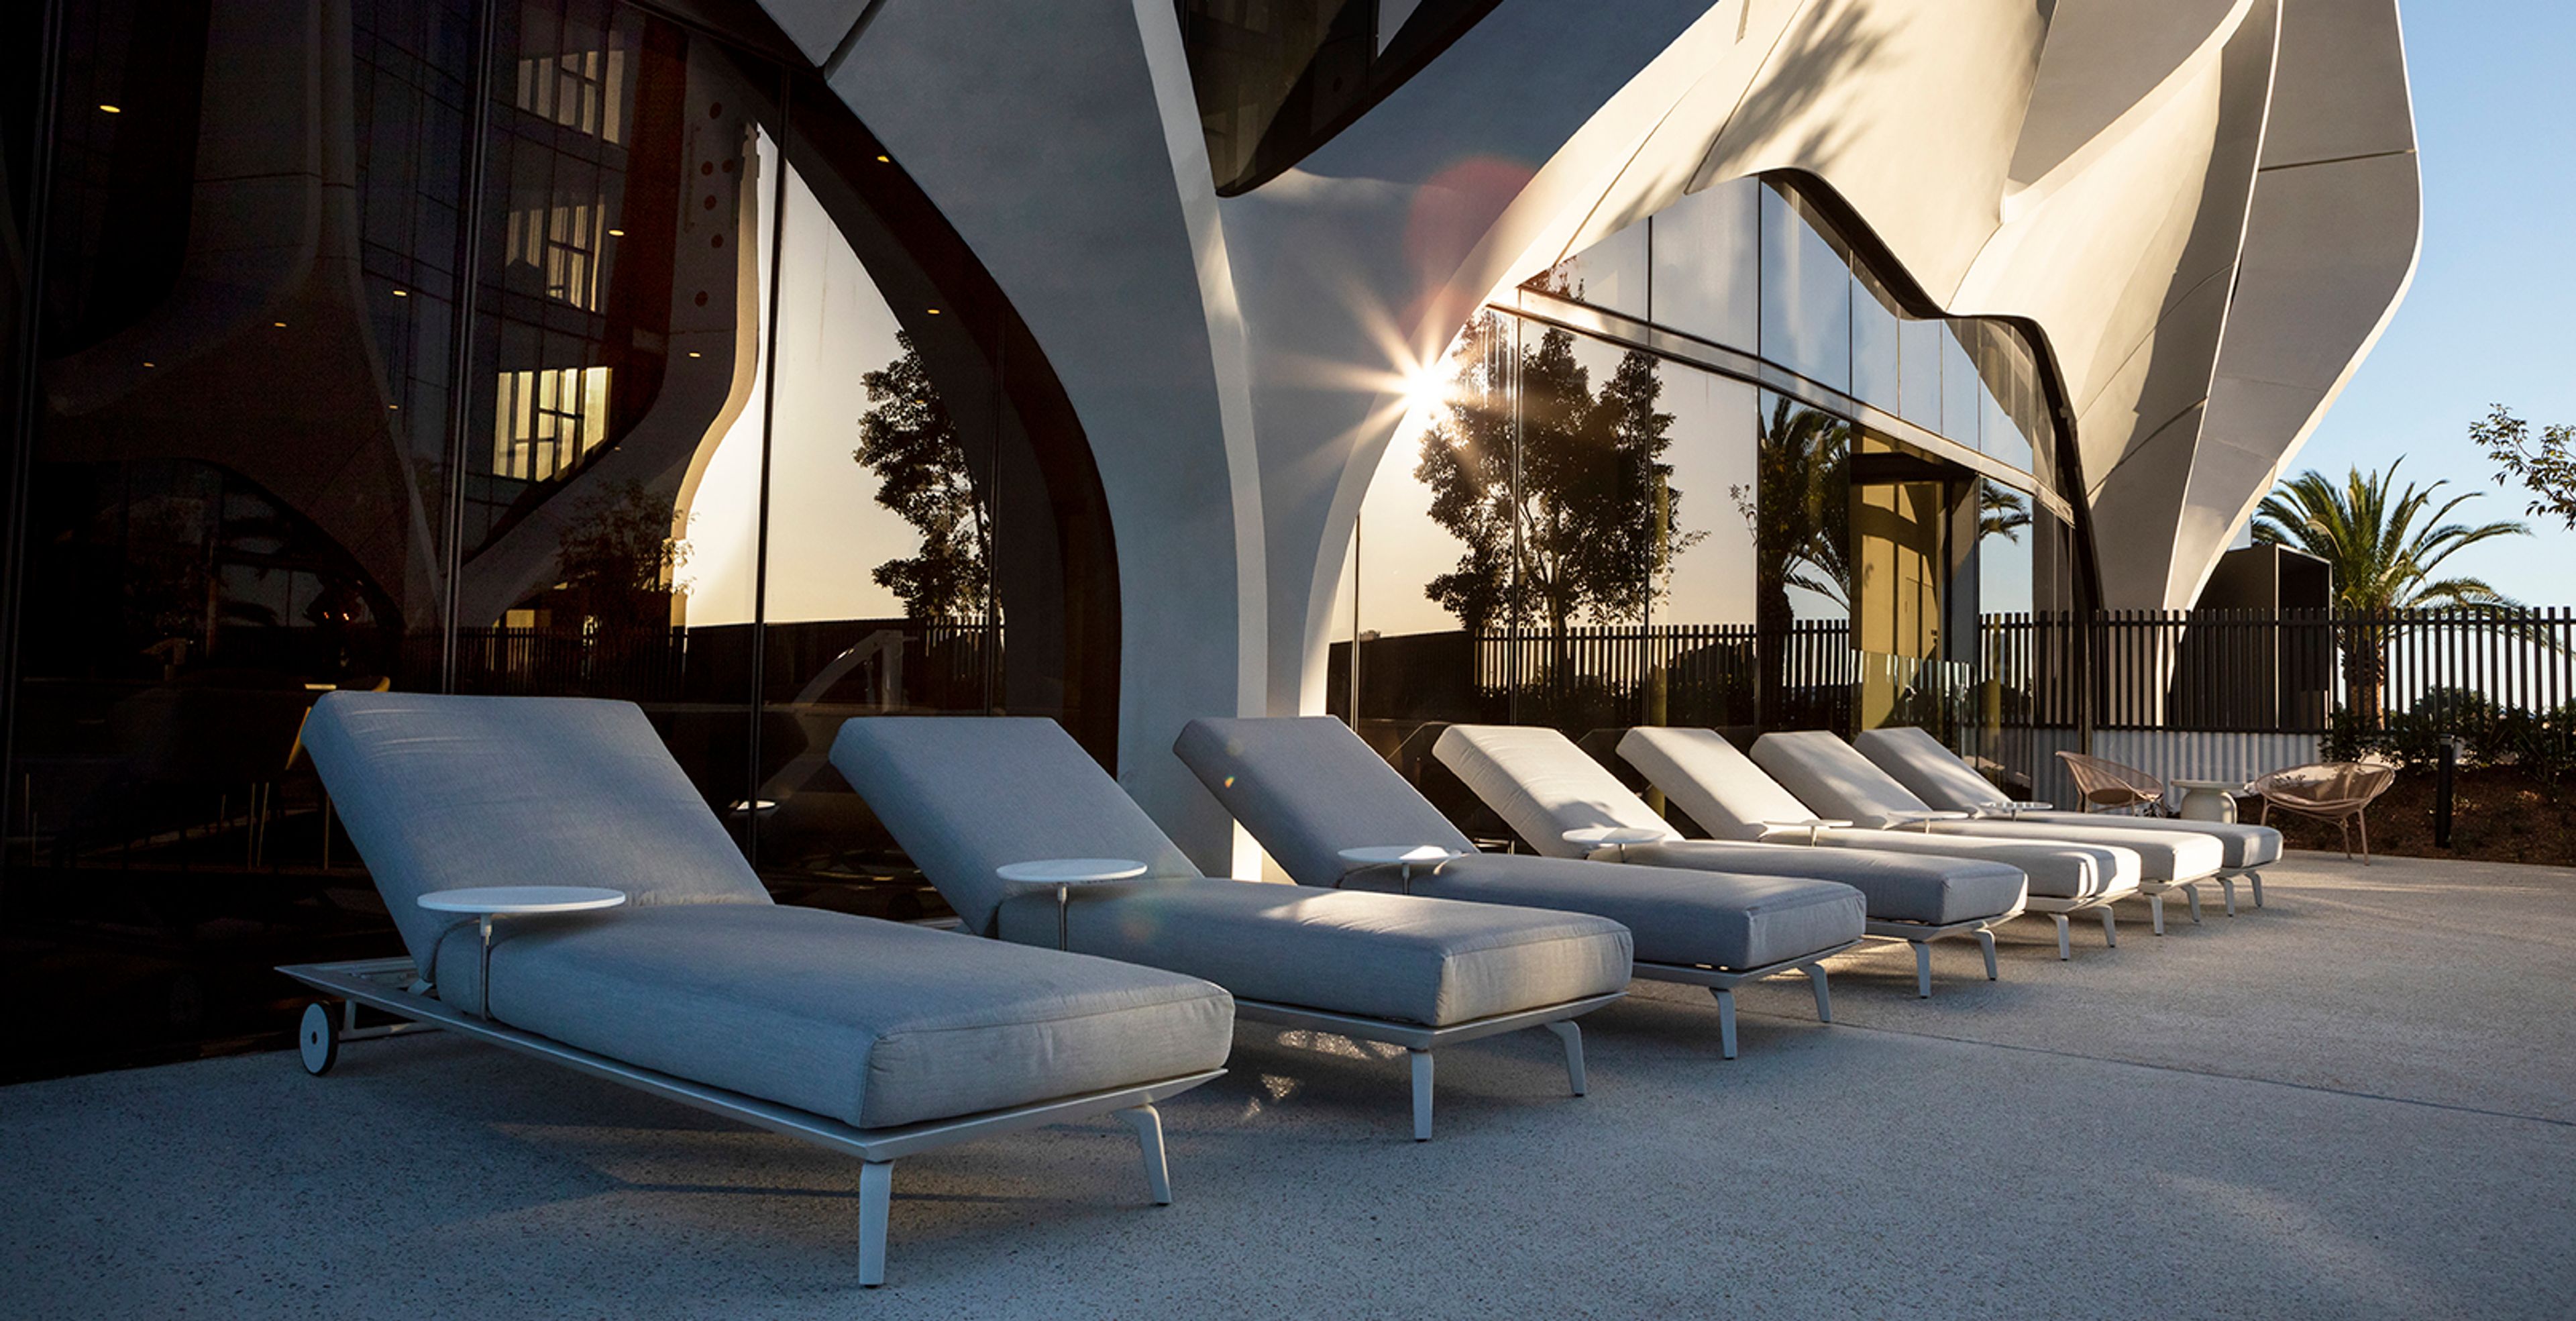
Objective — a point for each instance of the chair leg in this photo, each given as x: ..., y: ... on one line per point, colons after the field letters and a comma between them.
x: 1725, y: 1021
x: 1422, y: 1096
x: 2363, y: 821
x: 2111, y: 928
x: 1824, y: 993
x: 2191, y: 896
x: 1572, y: 1036
x: 2065, y: 947
x: 2155, y: 912
x: 1986, y: 943
x: 2227, y: 889
x: 1148, y: 1123
x: 876, y: 1200
x: 1922, y: 969
x: 2257, y: 879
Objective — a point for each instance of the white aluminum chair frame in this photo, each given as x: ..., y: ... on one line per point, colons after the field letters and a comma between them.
x: 1419, y: 1041
x: 380, y: 984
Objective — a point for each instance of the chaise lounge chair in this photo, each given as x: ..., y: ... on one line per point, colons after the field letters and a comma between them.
x: 1307, y: 788
x: 1732, y: 798
x: 1567, y: 805
x: 968, y: 796
x: 873, y: 1038
x: 1834, y: 778
x: 1941, y: 779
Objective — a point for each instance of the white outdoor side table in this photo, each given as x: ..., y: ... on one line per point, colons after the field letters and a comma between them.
x: 2208, y: 800
x: 1926, y: 818
x: 1406, y: 856
x: 1616, y: 837
x: 2013, y: 808
x: 490, y: 901
x: 1066, y: 873
x: 1814, y: 826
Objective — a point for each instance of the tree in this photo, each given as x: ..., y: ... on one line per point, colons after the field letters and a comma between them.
x: 1799, y: 508
x: 908, y: 439
x: 1580, y: 519
x: 2546, y: 468
x: 2384, y: 549
x: 620, y: 563
x: 2001, y: 512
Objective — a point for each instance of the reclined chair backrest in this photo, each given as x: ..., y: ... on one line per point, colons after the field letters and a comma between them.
x: 1934, y: 773
x: 1542, y: 785
x: 1831, y: 777
x: 1707, y: 777
x: 968, y: 795
x: 1307, y: 788
x: 449, y: 792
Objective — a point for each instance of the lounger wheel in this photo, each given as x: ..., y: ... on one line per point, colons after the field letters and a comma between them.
x: 319, y: 1039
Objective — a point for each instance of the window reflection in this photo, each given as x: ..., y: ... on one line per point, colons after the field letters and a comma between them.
x: 1806, y: 290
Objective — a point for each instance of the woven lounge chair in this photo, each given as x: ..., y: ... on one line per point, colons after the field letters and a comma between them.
x: 2339, y: 792
x: 2108, y: 786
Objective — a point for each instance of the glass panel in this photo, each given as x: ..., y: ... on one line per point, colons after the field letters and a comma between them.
x: 1962, y: 391
x: 612, y: 470
x: 1920, y: 355
x: 1806, y: 291
x: 1610, y: 275
x: 1878, y: 367
x: 1707, y: 267
x: 1703, y: 634
x: 1900, y: 571
x: 236, y: 502
x: 2006, y: 376
x: 1802, y: 566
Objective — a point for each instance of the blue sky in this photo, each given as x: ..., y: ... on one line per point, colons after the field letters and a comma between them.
x: 2492, y: 315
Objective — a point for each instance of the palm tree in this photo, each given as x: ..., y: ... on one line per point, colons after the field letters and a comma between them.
x: 2384, y: 550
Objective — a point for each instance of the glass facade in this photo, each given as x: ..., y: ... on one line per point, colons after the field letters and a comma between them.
x: 521, y: 347
x: 1710, y: 471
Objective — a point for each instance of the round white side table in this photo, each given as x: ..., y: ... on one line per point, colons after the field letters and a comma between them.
x: 2209, y: 800
x: 1406, y: 856
x: 1925, y: 819
x: 1066, y: 873
x: 1617, y: 837
x: 2013, y: 808
x: 490, y: 901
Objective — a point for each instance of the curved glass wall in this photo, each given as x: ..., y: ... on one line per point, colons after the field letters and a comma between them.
x: 625, y: 365
x: 1711, y: 472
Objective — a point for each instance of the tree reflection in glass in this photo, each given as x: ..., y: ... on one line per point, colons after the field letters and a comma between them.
x: 1800, y: 513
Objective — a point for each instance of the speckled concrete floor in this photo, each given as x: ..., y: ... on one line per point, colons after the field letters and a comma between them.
x: 2359, y: 1102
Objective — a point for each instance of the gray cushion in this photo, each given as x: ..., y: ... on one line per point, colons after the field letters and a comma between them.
x: 1307, y: 788
x: 869, y: 1022
x: 1542, y: 785
x: 1833, y: 779
x: 968, y: 796
x: 1706, y: 777
x: 1412, y: 960
x: 1899, y: 887
x: 2173, y: 856
x: 1697, y: 919
x: 2056, y: 870
x: 443, y: 793
x: 1934, y: 774
x: 2240, y: 844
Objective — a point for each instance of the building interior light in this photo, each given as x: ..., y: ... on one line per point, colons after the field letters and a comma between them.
x: 693, y: 353
x: 279, y: 324
x: 885, y: 160
x: 402, y: 293
x: 933, y: 311
x: 617, y: 233
x: 148, y: 364
x: 118, y: 110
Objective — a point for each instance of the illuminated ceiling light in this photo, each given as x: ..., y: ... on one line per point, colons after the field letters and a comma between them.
x: 118, y: 110
x: 933, y: 311
x: 693, y: 353
x: 402, y: 293
x: 150, y: 364
x: 393, y: 408
x: 885, y: 160
x: 617, y: 233
x: 279, y: 324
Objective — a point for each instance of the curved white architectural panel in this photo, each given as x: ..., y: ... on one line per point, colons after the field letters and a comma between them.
x: 2206, y: 208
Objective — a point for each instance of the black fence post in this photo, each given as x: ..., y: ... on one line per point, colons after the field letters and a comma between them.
x: 2450, y: 765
